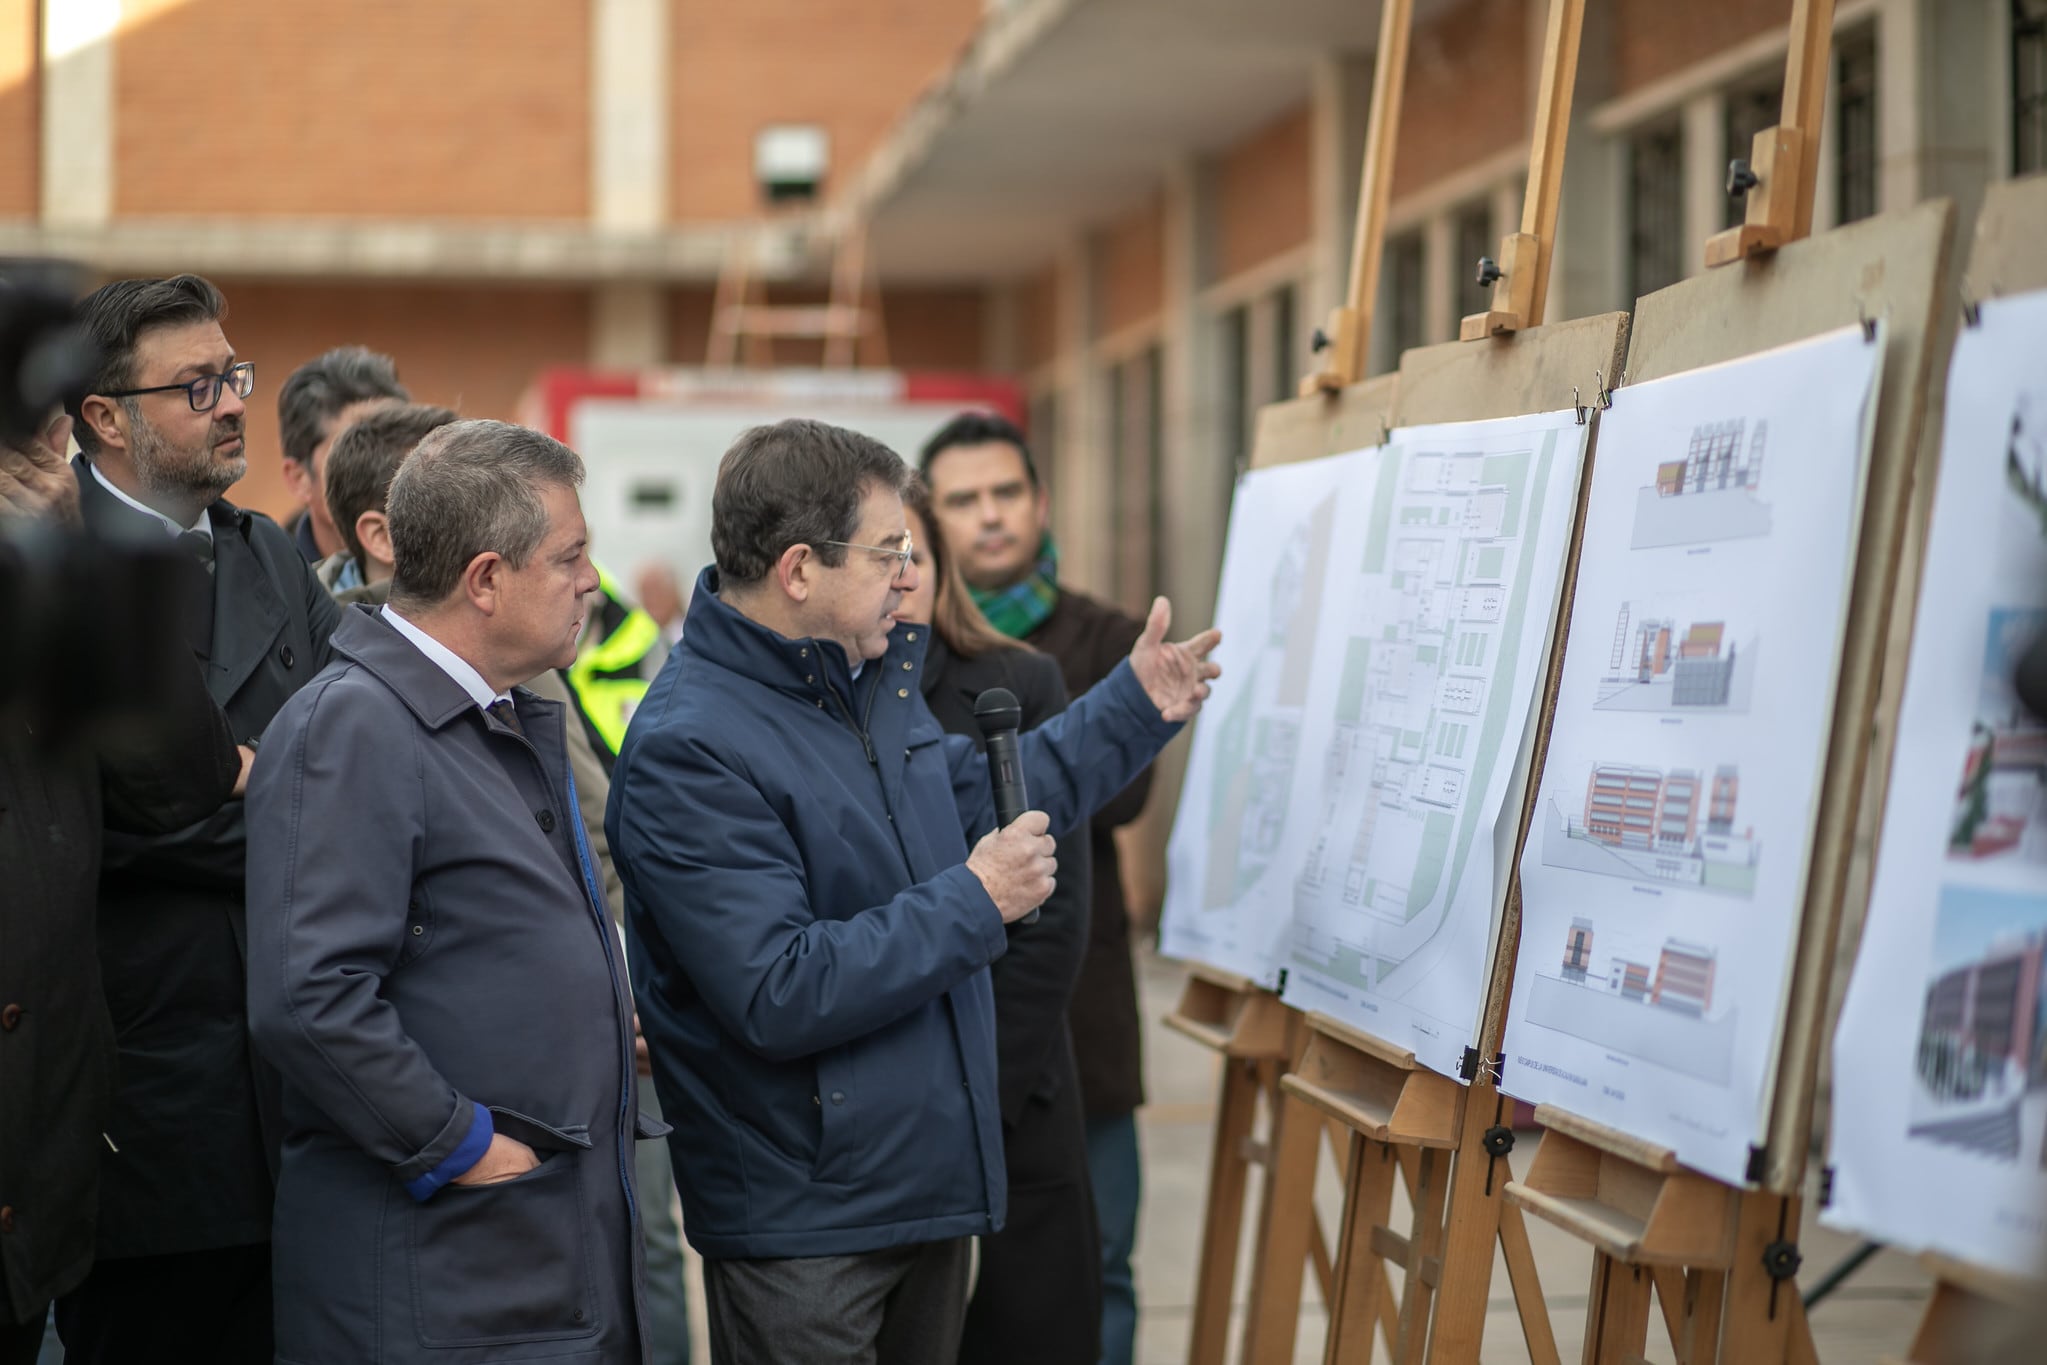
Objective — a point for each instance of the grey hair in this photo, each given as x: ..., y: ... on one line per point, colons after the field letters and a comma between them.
x: 470, y: 488
x: 797, y: 482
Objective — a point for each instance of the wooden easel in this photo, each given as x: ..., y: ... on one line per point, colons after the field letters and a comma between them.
x: 1721, y: 1259
x: 1447, y: 1140
x: 1258, y: 1038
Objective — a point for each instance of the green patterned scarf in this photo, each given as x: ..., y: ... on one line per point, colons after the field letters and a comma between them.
x: 1023, y: 606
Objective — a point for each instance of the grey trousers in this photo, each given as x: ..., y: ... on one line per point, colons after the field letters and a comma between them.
x: 903, y: 1306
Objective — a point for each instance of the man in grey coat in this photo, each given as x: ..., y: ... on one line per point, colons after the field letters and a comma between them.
x: 430, y: 962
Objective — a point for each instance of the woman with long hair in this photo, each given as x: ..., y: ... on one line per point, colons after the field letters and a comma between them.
x: 1038, y: 1296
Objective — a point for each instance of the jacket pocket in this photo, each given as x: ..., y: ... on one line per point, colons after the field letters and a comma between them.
x: 541, y: 1137
x: 840, y: 1146
x: 497, y: 1264
x: 646, y: 1127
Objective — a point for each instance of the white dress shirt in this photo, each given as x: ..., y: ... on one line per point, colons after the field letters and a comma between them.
x: 451, y: 663
x: 204, y: 526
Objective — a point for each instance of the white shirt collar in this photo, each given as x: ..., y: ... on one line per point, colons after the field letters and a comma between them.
x: 204, y: 526
x: 451, y: 663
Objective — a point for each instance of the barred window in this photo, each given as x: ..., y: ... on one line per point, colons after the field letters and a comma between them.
x: 1237, y: 416
x: 1855, y: 116
x: 1402, y: 293
x: 1475, y: 238
x: 1286, y: 354
x: 1747, y: 111
x: 1656, y: 234
x: 1042, y: 431
x: 2028, y: 86
x: 1137, y: 511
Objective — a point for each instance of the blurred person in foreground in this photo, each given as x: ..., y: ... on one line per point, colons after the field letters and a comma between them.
x: 995, y: 517
x: 359, y: 470
x: 56, y: 1040
x: 432, y: 968
x: 186, y: 1175
x: 814, y: 891
x: 1049, y: 1252
x: 318, y: 401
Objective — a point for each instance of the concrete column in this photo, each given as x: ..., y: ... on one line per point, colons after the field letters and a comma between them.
x: 78, y: 111
x: 1826, y: 207
x: 629, y: 325
x: 1340, y: 103
x: 629, y: 114
x: 1587, y: 266
x: 1936, y: 127
x: 1440, y: 270
x: 1705, y: 175
x: 1196, y: 512
x: 1081, y: 499
x: 1001, y: 321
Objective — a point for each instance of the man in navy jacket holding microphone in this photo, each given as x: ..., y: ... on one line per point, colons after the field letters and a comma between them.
x: 814, y: 891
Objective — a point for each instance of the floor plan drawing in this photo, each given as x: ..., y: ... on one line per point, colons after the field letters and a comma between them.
x: 1667, y: 660
x: 1679, y: 827
x: 1435, y: 640
x: 1711, y: 493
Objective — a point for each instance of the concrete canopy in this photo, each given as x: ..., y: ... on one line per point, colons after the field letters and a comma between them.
x: 1063, y: 113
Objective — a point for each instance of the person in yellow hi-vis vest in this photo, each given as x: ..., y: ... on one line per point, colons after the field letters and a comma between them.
x: 621, y: 647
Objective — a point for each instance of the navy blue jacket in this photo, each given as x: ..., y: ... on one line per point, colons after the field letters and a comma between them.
x: 809, y: 951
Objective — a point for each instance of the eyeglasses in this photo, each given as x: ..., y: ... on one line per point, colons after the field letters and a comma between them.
x: 204, y: 392
x: 899, y: 553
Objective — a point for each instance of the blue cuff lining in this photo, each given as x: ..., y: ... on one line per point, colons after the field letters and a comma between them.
x: 466, y: 1154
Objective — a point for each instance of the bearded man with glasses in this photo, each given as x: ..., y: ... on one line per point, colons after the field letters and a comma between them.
x: 183, y: 1255
x: 814, y: 889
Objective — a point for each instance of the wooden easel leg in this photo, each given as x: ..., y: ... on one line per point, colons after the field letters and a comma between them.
x: 1425, y: 1255
x: 1223, y: 1225
x: 1286, y: 1224
x: 1617, y: 1320
x: 1756, y: 1324
x: 1705, y: 1294
x: 1476, y: 1207
x: 1536, y: 1328
x: 1361, y: 1289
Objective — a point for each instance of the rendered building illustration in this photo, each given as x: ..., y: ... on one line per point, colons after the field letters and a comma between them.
x: 1710, y: 494
x: 1983, y: 1047
x: 1654, y: 826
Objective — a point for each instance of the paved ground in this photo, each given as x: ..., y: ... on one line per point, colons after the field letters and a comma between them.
x: 1872, y: 1314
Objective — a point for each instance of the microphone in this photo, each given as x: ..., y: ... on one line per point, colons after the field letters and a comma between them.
x: 997, y: 715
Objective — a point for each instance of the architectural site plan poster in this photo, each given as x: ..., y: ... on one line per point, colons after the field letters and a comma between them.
x: 1665, y: 869
x: 1939, y: 1133
x: 1229, y: 895
x: 1433, y: 636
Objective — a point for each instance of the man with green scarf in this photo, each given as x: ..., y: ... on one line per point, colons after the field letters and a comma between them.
x: 994, y: 515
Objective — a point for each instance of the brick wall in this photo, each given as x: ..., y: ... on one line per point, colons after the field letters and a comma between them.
x: 1131, y: 284
x: 472, y: 348
x: 20, y: 124
x: 851, y: 66
x: 1263, y: 191
x: 1656, y: 38
x: 1467, y: 95
x: 443, y: 109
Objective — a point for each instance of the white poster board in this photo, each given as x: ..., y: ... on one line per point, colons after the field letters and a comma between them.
x: 1434, y: 634
x: 1228, y: 898
x: 1665, y: 869
x: 1940, y: 1093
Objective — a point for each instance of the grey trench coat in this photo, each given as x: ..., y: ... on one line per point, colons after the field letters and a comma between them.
x: 426, y: 938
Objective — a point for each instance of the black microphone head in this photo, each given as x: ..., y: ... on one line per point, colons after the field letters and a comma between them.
x: 996, y: 710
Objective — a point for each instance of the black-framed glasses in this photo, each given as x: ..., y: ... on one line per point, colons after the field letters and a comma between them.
x: 204, y: 392
x: 899, y: 553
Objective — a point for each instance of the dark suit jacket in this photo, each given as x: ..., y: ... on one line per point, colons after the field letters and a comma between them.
x: 56, y: 1044
x: 1089, y: 639
x: 193, y: 1167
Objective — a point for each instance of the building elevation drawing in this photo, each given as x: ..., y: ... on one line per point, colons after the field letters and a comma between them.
x: 1679, y: 827
x: 1658, y: 1008
x: 1709, y: 494
x: 1664, y: 660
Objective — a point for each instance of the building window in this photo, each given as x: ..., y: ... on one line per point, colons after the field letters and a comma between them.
x: 1855, y: 116
x: 2028, y: 86
x: 1286, y: 351
x: 1475, y: 238
x: 1401, y: 292
x: 1747, y: 111
x: 1656, y: 228
x: 1237, y: 416
x: 1138, y: 532
x: 1042, y: 431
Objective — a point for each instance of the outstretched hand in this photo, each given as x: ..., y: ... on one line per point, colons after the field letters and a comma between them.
x: 1175, y: 677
